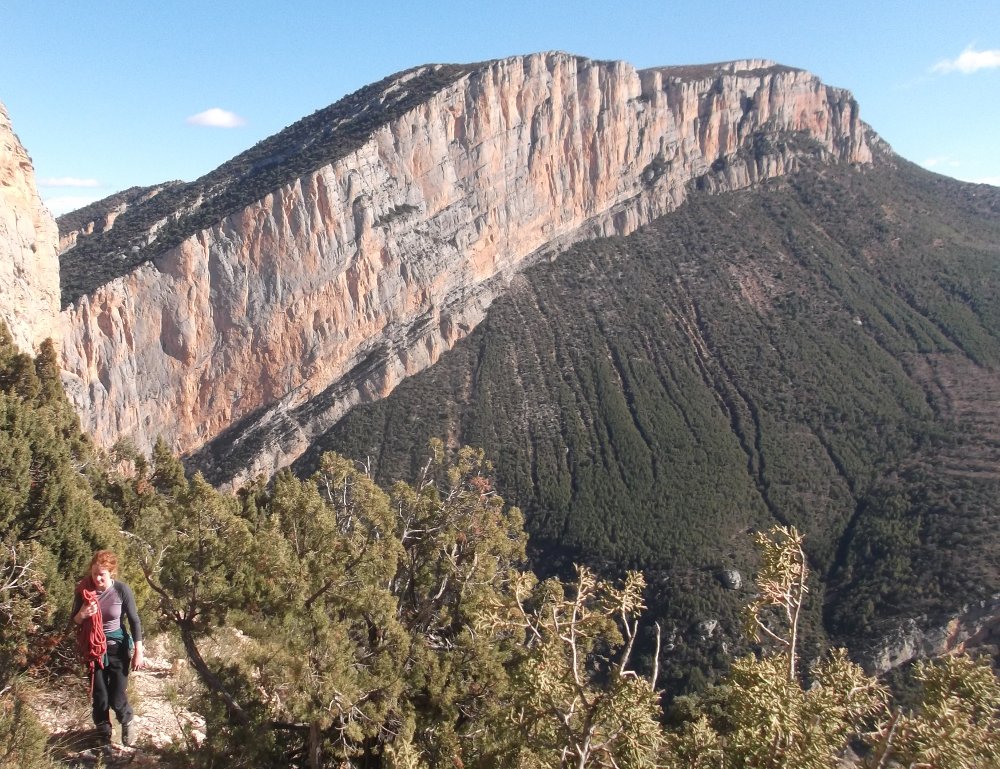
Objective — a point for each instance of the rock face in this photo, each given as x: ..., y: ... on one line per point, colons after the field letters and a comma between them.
x: 976, y: 626
x: 29, y: 267
x: 707, y: 627
x: 258, y: 332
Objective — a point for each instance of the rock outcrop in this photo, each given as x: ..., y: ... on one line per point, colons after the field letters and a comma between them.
x: 731, y: 579
x: 101, y: 216
x: 260, y: 330
x: 974, y: 627
x: 29, y: 267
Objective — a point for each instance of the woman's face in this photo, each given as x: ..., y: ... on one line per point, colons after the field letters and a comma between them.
x: 101, y: 576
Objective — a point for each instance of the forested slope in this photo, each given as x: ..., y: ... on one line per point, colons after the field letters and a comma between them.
x: 822, y: 351
x: 333, y: 623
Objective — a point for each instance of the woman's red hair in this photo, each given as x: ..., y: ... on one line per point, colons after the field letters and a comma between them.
x: 105, y: 559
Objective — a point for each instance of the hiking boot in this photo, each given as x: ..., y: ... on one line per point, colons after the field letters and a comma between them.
x: 130, y: 732
x: 104, y: 733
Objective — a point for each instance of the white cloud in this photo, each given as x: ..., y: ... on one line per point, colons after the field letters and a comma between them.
x: 217, y: 118
x: 969, y: 61
x: 62, y: 204
x: 67, y: 181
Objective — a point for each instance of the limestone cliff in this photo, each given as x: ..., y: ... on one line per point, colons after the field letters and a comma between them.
x: 974, y: 627
x: 29, y: 269
x: 260, y: 329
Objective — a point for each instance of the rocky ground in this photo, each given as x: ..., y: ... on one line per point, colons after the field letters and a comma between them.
x: 157, y: 694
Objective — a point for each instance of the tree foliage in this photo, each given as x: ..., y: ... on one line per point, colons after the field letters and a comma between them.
x: 400, y: 627
x: 50, y: 523
x: 956, y: 724
x: 782, y: 587
x: 764, y: 715
x: 355, y: 605
x: 576, y: 702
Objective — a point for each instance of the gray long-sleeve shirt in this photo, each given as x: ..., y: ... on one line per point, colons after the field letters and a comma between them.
x: 114, y: 602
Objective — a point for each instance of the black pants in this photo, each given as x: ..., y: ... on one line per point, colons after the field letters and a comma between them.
x: 111, y: 689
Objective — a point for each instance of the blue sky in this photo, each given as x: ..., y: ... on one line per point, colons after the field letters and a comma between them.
x: 106, y: 95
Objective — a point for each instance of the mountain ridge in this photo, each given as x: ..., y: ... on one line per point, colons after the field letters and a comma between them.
x: 240, y: 181
x: 831, y: 362
x: 416, y: 231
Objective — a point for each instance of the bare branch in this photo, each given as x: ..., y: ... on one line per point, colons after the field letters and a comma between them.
x: 656, y: 659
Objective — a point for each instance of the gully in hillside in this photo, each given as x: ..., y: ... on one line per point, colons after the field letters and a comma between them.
x: 100, y: 602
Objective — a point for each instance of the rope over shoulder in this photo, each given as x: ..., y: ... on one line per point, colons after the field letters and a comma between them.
x: 90, y: 640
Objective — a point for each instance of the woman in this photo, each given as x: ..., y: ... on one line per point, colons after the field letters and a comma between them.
x: 110, y: 600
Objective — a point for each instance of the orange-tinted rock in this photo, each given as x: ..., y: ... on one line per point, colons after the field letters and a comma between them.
x: 29, y: 267
x: 357, y: 275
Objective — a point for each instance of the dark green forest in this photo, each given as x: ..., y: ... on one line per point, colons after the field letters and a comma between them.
x: 820, y: 352
x: 334, y: 623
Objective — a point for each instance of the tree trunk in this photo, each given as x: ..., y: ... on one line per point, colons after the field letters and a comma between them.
x: 208, y: 678
x: 315, y: 746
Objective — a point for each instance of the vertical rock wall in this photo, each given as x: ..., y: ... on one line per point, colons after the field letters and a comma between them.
x: 331, y: 289
x: 29, y: 238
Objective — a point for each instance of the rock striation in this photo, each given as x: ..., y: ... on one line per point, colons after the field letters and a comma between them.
x: 29, y: 266
x: 261, y: 329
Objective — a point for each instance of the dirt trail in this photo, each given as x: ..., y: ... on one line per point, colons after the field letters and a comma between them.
x: 155, y: 693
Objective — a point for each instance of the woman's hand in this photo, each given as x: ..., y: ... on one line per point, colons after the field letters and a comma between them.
x: 138, y: 656
x: 86, y: 611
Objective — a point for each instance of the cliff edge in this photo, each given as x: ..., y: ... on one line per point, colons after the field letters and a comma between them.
x: 29, y: 267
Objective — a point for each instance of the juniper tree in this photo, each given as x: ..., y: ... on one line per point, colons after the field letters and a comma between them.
x: 956, y: 723
x: 330, y: 651
x: 764, y: 714
x: 46, y: 502
x: 49, y: 525
x: 575, y: 700
x: 356, y: 608
x: 195, y: 551
x: 460, y: 544
x: 23, y: 608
